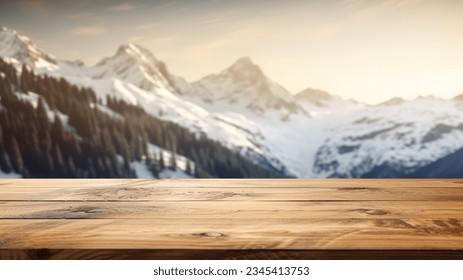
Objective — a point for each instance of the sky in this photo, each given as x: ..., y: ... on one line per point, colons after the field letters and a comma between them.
x: 368, y: 50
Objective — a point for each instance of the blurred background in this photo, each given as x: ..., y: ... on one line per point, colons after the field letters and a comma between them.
x: 231, y: 89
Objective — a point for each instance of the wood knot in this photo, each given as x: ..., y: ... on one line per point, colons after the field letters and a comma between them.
x: 209, y: 234
x: 359, y: 189
x: 87, y: 210
x: 376, y: 212
x: 373, y: 212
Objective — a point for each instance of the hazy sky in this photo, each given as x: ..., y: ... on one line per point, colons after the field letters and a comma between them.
x: 369, y: 50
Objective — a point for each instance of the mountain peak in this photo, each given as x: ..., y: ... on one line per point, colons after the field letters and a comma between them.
x: 393, y: 101
x: 244, y: 85
x: 136, y: 51
x: 5, y: 31
x: 127, y: 48
x: 21, y: 48
x: 244, y: 63
x: 137, y: 65
x: 426, y: 97
x: 314, y: 95
x: 131, y: 54
x: 244, y: 60
x: 244, y: 69
x: 458, y: 97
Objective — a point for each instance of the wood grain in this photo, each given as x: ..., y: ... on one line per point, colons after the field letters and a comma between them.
x: 230, y: 209
x: 271, y: 219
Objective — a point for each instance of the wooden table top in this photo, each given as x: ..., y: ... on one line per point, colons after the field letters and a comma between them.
x: 231, y: 219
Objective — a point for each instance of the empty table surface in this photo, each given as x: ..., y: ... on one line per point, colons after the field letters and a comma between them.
x: 231, y: 219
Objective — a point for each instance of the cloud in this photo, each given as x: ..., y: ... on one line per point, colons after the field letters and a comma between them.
x: 88, y: 30
x: 122, y: 7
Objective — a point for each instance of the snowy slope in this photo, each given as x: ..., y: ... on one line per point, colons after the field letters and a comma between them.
x: 319, y: 102
x: 154, y: 152
x: 10, y: 175
x: 33, y: 99
x: 450, y: 166
x: 390, y: 140
x: 181, y: 161
x: 142, y: 171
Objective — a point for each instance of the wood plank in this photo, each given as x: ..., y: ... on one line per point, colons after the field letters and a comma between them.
x: 220, y: 233
x: 243, y: 183
x: 229, y: 209
x: 284, y: 193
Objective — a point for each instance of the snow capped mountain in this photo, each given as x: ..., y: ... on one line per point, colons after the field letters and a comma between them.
x: 243, y: 88
x: 392, y: 101
x: 458, y: 98
x: 449, y: 166
x: 20, y: 49
x: 134, y: 75
x: 391, y: 140
x: 318, y: 102
x: 310, y: 134
x: 315, y: 96
x: 137, y: 65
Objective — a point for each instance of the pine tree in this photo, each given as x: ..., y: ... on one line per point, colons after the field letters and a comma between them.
x: 188, y: 168
x: 58, y: 160
x: 42, y: 117
x: 16, y: 157
x: 57, y: 130
x: 5, y: 163
x: 162, y: 164
x: 173, y: 161
x: 24, y: 79
x: 32, y: 153
x: 71, y: 168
